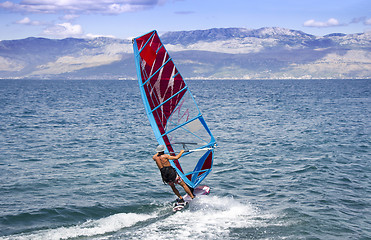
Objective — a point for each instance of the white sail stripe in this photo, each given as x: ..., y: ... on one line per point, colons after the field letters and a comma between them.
x: 162, y: 98
x: 162, y: 69
x: 154, y: 62
x: 171, y: 84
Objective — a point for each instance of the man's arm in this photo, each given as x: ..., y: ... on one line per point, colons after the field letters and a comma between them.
x: 177, y: 156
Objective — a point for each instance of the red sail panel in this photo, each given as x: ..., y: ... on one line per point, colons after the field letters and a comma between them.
x: 208, y: 162
x: 163, y: 85
x: 143, y: 39
x: 148, y: 55
x: 164, y: 82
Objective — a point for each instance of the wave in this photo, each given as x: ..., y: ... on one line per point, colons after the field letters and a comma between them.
x: 89, y: 228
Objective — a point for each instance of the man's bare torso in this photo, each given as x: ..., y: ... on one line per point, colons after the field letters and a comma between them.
x: 162, y: 161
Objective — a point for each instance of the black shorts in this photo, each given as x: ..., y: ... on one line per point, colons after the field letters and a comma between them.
x: 169, y: 175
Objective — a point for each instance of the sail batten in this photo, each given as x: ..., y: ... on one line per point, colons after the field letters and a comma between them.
x: 171, y: 109
x: 169, y: 99
x: 155, y: 72
x: 179, y: 126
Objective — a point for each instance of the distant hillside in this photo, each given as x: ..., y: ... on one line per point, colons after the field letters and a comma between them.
x: 223, y: 53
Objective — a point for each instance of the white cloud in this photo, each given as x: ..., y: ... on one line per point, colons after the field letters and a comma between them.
x: 368, y: 21
x: 27, y: 21
x: 63, y: 30
x: 7, y: 4
x: 70, y: 17
x: 78, y: 6
x: 332, y: 22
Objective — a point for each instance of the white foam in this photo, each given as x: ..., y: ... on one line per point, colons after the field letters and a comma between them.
x: 90, y: 228
x: 208, y: 217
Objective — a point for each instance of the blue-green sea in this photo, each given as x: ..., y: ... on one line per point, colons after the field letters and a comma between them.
x: 293, y: 162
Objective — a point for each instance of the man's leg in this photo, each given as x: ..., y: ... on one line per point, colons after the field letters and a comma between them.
x: 186, y: 188
x: 175, y: 190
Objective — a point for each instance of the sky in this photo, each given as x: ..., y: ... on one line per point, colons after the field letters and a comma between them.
x: 126, y: 19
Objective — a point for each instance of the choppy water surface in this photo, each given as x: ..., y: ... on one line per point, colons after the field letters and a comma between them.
x: 293, y: 162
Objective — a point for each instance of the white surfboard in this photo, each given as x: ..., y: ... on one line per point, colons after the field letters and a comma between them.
x: 199, y: 190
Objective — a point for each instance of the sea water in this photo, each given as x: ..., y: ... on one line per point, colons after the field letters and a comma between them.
x: 293, y: 162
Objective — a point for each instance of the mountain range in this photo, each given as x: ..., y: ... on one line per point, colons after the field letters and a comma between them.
x: 219, y: 53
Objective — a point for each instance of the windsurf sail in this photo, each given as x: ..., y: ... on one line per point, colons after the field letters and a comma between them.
x: 172, y: 111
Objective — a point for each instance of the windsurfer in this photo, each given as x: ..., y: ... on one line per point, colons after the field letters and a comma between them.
x: 168, y: 173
